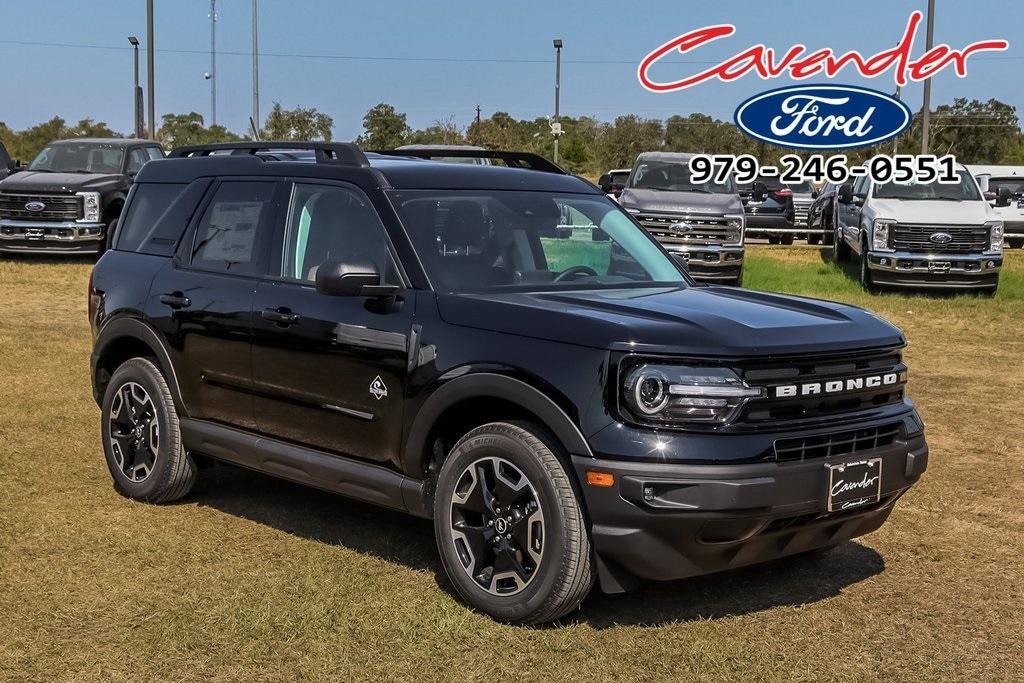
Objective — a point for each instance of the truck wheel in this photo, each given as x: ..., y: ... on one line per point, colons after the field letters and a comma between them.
x: 840, y: 249
x: 813, y: 238
x: 787, y: 239
x: 1015, y: 243
x: 865, y: 273
x: 141, y: 437
x: 509, y: 527
x: 773, y: 239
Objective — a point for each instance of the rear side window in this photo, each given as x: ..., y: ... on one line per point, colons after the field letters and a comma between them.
x: 150, y: 203
x: 232, y: 234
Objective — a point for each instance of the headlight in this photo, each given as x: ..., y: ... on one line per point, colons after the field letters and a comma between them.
x: 676, y: 395
x: 995, y: 237
x: 90, y: 207
x: 736, y: 224
x: 880, y: 234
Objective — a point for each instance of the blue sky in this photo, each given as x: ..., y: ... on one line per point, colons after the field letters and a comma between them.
x: 604, y: 41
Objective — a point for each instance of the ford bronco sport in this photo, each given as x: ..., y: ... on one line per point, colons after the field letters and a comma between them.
x: 398, y: 330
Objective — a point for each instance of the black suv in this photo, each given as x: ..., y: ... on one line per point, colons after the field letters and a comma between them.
x: 70, y: 194
x: 401, y: 331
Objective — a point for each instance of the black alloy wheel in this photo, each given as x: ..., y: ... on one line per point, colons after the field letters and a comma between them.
x: 134, y: 432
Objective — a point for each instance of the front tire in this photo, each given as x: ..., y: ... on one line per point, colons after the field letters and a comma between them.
x: 509, y: 526
x: 141, y: 436
x: 866, y: 279
x: 813, y: 239
x: 1015, y: 243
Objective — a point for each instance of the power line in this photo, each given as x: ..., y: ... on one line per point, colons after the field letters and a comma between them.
x: 391, y: 58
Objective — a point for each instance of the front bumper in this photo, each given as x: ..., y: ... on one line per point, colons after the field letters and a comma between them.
x: 49, y: 237
x: 663, y: 521
x: 952, y: 271
x: 710, y: 262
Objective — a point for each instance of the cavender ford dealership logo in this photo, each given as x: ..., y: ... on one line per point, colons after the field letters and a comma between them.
x: 818, y: 116
x: 837, y: 386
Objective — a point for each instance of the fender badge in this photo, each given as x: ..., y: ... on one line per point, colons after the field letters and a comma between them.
x: 378, y: 389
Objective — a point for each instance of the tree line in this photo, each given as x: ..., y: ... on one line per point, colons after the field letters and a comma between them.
x: 975, y: 131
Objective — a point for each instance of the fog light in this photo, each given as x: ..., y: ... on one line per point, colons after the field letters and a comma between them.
x: 884, y: 262
x: 991, y: 264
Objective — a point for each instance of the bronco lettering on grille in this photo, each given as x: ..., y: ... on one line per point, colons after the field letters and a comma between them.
x: 837, y: 386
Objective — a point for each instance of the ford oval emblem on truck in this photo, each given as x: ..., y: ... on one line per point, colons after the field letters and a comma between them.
x: 823, y: 116
x: 34, y: 207
x: 941, y: 237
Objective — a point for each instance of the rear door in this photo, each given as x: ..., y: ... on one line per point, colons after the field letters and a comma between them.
x: 330, y: 371
x: 201, y: 302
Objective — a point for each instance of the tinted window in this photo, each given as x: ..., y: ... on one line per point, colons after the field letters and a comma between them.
x: 85, y: 157
x: 150, y: 202
x: 673, y: 176
x: 332, y: 223
x: 1014, y: 185
x: 530, y: 240
x: 232, y: 233
x: 964, y: 190
x: 155, y: 152
x: 136, y: 158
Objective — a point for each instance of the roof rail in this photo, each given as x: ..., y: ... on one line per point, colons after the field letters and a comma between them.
x: 344, y: 153
x: 527, y: 160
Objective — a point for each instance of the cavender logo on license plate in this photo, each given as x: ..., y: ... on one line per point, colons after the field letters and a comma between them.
x: 854, y: 484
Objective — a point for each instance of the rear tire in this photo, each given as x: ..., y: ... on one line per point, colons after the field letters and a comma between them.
x: 141, y: 436
x: 787, y: 239
x: 813, y: 239
x: 840, y: 249
x: 773, y: 239
x: 541, y: 569
x: 1015, y: 243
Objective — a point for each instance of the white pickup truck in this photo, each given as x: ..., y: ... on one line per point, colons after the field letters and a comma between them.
x: 929, y: 235
x: 1003, y: 187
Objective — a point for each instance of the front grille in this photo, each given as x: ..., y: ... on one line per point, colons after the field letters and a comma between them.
x: 839, y: 443
x: 801, y: 209
x: 967, y: 239
x: 703, y: 229
x: 58, y: 207
x: 821, y: 369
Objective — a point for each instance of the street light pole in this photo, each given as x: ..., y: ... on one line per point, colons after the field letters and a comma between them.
x: 137, y: 118
x: 556, y: 130
x: 150, y: 69
x: 255, y: 69
x: 213, y: 62
x: 926, y: 109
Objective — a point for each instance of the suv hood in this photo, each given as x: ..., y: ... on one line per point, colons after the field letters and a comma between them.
x: 939, y: 212
x: 680, y: 202
x: 41, y: 181
x: 700, y: 321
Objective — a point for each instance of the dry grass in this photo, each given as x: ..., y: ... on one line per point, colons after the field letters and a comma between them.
x: 254, y: 579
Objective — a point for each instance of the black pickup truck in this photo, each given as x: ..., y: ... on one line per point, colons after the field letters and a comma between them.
x: 71, y: 195
x: 7, y: 165
x: 406, y: 332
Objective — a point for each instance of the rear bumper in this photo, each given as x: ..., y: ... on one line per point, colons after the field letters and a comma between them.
x: 709, y: 262
x: 50, y: 237
x: 664, y: 521
x: 939, y: 271
x: 771, y: 223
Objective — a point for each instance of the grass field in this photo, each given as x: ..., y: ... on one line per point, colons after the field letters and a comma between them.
x: 250, y: 578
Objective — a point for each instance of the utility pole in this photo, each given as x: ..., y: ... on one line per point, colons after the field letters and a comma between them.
x: 896, y: 140
x: 150, y: 69
x: 926, y: 110
x: 213, y: 63
x: 138, y: 123
x: 255, y: 68
x: 556, y: 126
x: 478, y: 114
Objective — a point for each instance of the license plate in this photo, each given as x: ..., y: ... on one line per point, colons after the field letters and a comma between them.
x: 854, y: 484
x: 940, y: 266
x: 35, y: 233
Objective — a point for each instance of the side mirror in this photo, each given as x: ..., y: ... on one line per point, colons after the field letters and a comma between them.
x: 845, y: 194
x: 758, y: 191
x: 351, y: 278
x: 1004, y: 196
x: 605, y: 183
x: 815, y: 193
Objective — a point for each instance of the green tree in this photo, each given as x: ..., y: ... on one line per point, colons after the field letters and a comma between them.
x: 441, y: 132
x: 178, y: 130
x: 384, y: 128
x: 625, y: 138
x: 297, y: 124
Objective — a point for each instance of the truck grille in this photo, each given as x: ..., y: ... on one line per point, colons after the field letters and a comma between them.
x: 702, y: 230
x: 801, y: 210
x: 821, y: 369
x: 967, y: 239
x: 57, y: 207
x: 839, y: 443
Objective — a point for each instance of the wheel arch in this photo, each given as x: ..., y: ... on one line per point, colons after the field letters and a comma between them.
x: 125, y: 338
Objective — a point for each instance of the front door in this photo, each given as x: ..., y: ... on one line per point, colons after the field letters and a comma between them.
x: 330, y: 371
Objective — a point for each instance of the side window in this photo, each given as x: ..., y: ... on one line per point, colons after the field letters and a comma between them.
x: 333, y: 223
x: 232, y: 234
x: 150, y: 202
x: 154, y: 152
x: 861, y: 186
x: 136, y: 158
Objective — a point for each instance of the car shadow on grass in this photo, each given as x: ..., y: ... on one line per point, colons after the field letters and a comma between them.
x: 409, y: 541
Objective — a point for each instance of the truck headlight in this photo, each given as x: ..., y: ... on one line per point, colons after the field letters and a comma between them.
x: 90, y: 206
x: 995, y: 237
x: 736, y: 224
x: 661, y: 394
x: 880, y: 234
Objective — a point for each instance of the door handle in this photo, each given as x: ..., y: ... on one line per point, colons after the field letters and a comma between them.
x: 175, y: 300
x: 280, y: 316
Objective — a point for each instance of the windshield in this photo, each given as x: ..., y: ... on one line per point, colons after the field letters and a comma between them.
x: 673, y: 176
x: 83, y: 157
x: 965, y: 190
x: 519, y: 241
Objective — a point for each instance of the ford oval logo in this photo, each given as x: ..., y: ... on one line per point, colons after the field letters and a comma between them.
x: 823, y: 116
x: 34, y: 207
x: 679, y: 228
x: 941, y: 238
